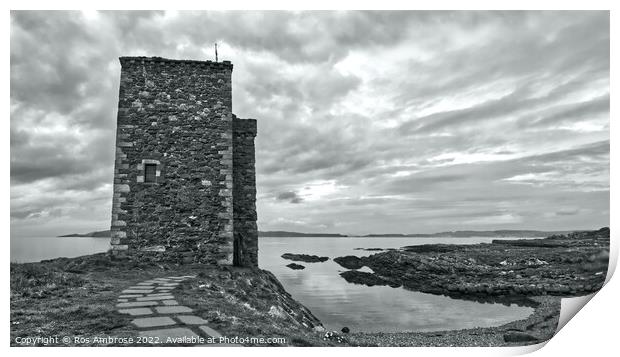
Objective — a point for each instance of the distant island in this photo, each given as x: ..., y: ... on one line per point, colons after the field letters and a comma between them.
x: 297, y: 234
x: 106, y: 234
x: 466, y: 234
x: 97, y: 234
x: 452, y: 234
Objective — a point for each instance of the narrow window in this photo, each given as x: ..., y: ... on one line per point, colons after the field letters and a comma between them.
x: 149, y: 172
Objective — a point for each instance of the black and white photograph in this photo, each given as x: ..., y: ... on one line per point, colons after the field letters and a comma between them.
x: 305, y: 178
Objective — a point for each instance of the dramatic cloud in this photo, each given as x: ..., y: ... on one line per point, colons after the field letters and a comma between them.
x: 404, y: 121
x: 289, y: 196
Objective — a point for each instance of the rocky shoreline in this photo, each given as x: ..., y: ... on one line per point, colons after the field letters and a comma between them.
x: 533, y: 272
x: 566, y: 265
x: 539, y: 327
x: 527, y: 272
x: 77, y: 297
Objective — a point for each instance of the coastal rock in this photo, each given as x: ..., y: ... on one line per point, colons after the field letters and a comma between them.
x: 517, y: 336
x: 349, y: 262
x: 296, y: 266
x: 368, y: 279
x: 436, y: 248
x: 334, y: 336
x: 304, y: 258
x: 250, y: 297
x: 277, y: 311
x: 572, y: 264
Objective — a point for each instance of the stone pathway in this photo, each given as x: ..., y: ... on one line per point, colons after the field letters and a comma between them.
x: 159, y: 315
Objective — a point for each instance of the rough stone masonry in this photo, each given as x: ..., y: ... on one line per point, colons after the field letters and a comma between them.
x: 184, y: 175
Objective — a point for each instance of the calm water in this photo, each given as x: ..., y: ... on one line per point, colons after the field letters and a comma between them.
x: 379, y: 308
x: 320, y: 288
x: 34, y: 249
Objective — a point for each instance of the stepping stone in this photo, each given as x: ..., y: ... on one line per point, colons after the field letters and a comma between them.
x: 172, y: 309
x: 210, y: 332
x: 137, y: 304
x: 131, y: 296
x: 137, y: 311
x: 136, y: 291
x: 165, y: 288
x: 158, y: 294
x: 152, y: 298
x: 122, y: 300
x: 163, y: 334
x: 192, y: 320
x: 169, y: 284
x: 153, y: 321
x: 170, y: 302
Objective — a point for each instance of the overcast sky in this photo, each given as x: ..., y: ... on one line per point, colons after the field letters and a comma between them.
x: 368, y: 122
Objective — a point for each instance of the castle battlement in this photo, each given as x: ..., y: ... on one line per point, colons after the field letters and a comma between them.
x: 127, y: 60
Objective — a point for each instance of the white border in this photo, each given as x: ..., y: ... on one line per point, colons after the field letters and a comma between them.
x: 594, y: 330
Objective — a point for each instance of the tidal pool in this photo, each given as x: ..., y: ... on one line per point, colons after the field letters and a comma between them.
x: 338, y: 303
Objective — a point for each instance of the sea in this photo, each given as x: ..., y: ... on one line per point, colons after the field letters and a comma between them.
x: 320, y: 288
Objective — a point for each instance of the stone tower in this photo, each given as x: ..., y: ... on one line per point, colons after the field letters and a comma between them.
x: 184, y: 176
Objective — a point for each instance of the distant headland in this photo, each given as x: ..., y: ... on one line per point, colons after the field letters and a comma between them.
x: 453, y: 234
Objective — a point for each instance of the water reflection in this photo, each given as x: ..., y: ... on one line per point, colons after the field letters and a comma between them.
x: 378, y: 308
x: 320, y: 287
x: 34, y: 249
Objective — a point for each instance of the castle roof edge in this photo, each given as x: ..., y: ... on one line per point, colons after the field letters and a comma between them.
x: 138, y: 59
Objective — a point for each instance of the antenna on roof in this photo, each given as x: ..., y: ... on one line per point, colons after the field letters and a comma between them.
x: 216, y: 52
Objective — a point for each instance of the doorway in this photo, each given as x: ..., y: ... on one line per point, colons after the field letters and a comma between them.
x: 237, y: 261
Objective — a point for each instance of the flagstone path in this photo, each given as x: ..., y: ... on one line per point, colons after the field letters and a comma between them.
x: 159, y: 315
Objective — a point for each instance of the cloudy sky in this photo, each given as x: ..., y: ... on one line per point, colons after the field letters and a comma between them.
x: 369, y: 122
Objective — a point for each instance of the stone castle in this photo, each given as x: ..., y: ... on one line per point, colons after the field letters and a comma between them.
x: 184, y: 176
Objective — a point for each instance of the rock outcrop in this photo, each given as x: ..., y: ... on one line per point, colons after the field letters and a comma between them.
x: 349, y: 262
x: 296, y: 266
x: 566, y: 265
x: 304, y: 258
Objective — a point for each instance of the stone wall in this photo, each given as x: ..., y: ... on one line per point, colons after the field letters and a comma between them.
x: 244, y: 192
x: 177, y: 115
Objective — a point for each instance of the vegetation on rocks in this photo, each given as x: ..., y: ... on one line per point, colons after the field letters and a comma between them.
x: 76, y: 297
